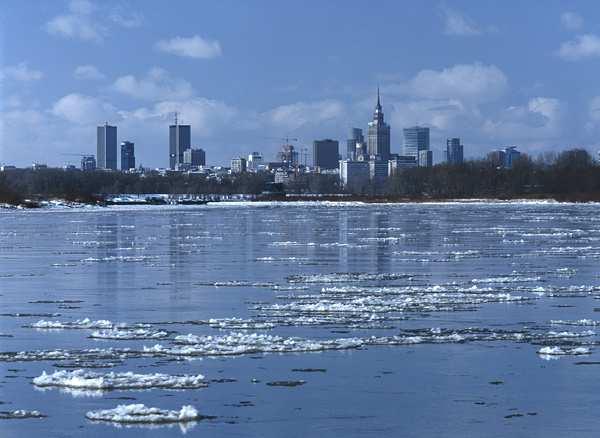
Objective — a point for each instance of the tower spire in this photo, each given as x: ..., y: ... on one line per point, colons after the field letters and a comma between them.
x: 378, y: 103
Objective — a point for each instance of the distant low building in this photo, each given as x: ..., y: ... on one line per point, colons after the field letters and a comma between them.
x: 401, y: 162
x: 238, y: 165
x: 378, y: 172
x: 504, y: 158
x: 283, y: 176
x: 425, y: 158
x: 88, y: 163
x: 354, y: 175
x: 255, y: 161
x: 39, y: 166
x: 194, y: 157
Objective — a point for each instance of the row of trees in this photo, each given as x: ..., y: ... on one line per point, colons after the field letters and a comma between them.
x: 571, y: 174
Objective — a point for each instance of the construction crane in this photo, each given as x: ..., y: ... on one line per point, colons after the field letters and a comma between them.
x: 77, y: 154
x: 286, y: 139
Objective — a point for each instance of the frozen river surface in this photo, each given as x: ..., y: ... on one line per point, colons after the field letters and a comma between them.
x: 296, y: 320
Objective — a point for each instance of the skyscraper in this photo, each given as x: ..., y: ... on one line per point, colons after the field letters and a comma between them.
x: 127, y: 155
x: 180, y: 139
x: 454, y: 151
x: 326, y: 154
x: 356, y: 137
x: 106, y: 151
x: 378, y: 137
x: 416, y: 139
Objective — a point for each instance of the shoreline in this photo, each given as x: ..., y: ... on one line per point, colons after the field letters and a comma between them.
x: 61, y: 204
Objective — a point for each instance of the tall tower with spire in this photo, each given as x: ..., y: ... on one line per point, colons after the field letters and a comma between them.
x: 378, y: 136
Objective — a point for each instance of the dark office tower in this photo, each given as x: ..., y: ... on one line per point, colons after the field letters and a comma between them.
x: 107, y: 147
x: 127, y: 155
x: 378, y: 137
x: 180, y: 139
x: 416, y: 139
x: 326, y: 154
x: 454, y: 151
x: 356, y: 137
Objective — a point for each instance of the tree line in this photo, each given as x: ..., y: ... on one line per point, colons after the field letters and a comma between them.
x: 569, y: 175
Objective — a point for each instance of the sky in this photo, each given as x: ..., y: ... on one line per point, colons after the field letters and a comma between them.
x: 245, y: 74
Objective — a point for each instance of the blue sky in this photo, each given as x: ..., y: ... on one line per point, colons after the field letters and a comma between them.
x: 245, y: 72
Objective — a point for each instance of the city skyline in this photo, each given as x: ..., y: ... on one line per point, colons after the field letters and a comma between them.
x: 67, y: 75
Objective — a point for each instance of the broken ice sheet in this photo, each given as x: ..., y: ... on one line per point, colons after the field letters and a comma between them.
x: 140, y: 414
x: 81, y: 379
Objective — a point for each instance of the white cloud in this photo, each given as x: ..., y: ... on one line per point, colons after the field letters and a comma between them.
x: 88, y: 72
x: 458, y: 24
x: 571, y: 21
x: 299, y: 114
x: 539, y: 120
x: 192, y: 47
x: 206, y: 116
x: 583, y: 46
x: 594, y: 109
x: 443, y: 115
x: 77, y: 23
x: 126, y: 18
x: 78, y: 108
x: 21, y: 72
x: 470, y: 82
x: 155, y: 85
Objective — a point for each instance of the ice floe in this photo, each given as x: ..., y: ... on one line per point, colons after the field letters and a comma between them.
x: 237, y: 343
x: 81, y: 379
x: 20, y: 414
x: 140, y: 413
x: 563, y: 351
x: 82, y: 324
x: 342, y: 277
x: 127, y: 334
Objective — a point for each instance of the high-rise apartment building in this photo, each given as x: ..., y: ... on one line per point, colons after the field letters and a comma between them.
x: 180, y: 139
x: 356, y: 138
x: 454, y: 151
x: 378, y: 134
x: 106, y: 151
x: 416, y: 138
x: 326, y: 154
x: 127, y: 155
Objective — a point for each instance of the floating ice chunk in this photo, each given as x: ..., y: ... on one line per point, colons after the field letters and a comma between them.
x: 242, y: 343
x: 92, y: 354
x: 20, y: 414
x: 563, y: 351
x: 342, y: 277
x: 85, y: 323
x: 140, y: 413
x: 239, y: 324
x: 125, y: 334
x: 511, y: 279
x: 81, y: 379
x: 580, y: 322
